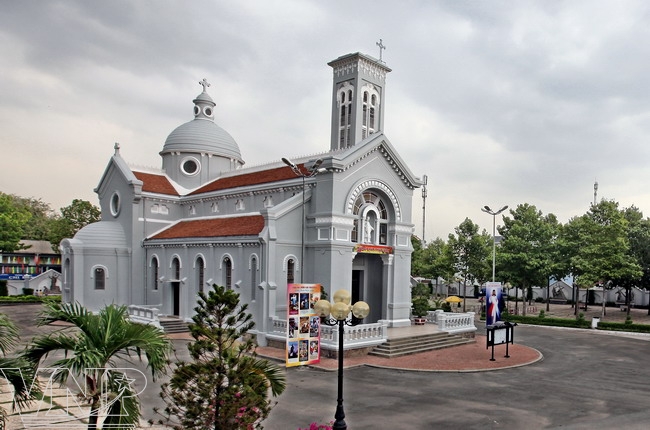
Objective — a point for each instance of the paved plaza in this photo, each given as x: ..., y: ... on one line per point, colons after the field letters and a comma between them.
x: 584, y: 379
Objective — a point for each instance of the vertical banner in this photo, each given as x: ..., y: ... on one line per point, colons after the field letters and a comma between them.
x: 493, y: 297
x: 303, y: 325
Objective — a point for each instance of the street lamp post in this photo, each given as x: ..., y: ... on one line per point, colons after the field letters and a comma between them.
x: 335, y: 314
x: 312, y: 171
x: 494, y: 214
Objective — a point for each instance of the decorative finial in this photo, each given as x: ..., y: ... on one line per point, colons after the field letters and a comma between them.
x: 117, y: 148
x: 381, y: 49
x: 205, y: 84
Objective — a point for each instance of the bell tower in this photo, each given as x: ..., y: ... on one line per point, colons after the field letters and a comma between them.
x: 358, y: 98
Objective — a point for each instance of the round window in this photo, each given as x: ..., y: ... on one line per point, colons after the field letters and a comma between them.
x: 115, y: 204
x: 207, y: 111
x: 197, y: 110
x: 190, y: 166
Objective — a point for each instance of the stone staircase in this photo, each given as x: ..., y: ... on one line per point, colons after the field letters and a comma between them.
x: 174, y: 325
x: 418, y: 343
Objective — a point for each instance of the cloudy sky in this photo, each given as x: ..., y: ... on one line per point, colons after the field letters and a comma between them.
x: 497, y: 102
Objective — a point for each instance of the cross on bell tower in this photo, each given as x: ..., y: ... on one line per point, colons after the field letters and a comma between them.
x: 381, y: 50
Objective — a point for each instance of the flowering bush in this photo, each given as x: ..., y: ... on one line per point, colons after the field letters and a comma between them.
x: 316, y: 426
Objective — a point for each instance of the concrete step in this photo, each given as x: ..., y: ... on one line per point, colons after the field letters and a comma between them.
x: 170, y: 325
x: 416, y: 344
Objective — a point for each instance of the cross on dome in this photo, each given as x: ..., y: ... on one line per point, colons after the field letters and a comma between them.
x: 204, y: 83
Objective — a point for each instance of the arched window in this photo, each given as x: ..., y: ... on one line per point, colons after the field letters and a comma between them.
x: 253, y: 277
x: 176, y: 269
x: 291, y: 266
x: 345, y: 115
x: 154, y: 273
x: 100, y: 278
x: 227, y: 273
x: 66, y: 271
x: 371, y: 223
x: 200, y: 274
x: 369, y: 108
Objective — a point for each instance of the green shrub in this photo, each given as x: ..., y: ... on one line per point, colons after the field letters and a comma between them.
x: 624, y: 326
x: 30, y: 299
x: 420, y: 300
x: 539, y: 300
x: 542, y: 314
x: 628, y: 320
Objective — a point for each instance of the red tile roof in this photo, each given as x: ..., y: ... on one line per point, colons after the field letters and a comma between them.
x: 216, y: 227
x: 153, y: 183
x: 254, y: 178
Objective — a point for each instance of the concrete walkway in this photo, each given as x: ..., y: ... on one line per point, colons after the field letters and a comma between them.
x: 463, y: 359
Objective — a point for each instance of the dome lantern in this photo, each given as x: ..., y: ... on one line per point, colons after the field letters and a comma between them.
x: 199, y: 150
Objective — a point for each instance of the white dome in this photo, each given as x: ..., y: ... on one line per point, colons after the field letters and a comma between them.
x: 202, y: 135
x: 102, y: 234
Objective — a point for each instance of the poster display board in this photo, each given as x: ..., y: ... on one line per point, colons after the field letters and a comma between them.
x: 493, y: 302
x: 499, y: 334
x: 303, y: 325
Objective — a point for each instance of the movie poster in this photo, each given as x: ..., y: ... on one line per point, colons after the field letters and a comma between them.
x: 303, y: 325
x: 493, y: 297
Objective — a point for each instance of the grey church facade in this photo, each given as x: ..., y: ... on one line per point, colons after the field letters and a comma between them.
x: 341, y: 219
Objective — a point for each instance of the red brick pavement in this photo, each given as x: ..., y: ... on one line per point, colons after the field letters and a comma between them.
x: 471, y: 357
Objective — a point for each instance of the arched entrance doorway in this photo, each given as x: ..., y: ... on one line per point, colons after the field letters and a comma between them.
x: 368, y: 283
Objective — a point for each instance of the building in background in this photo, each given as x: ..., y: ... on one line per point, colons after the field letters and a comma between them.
x: 37, y: 268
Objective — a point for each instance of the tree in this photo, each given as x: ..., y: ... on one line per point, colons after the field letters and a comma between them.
x: 73, y: 218
x: 226, y: 386
x: 13, y: 221
x: 470, y: 252
x: 40, y: 220
x: 16, y: 371
x: 418, y: 258
x: 433, y: 261
x: 527, y: 247
x: 560, y: 265
x: 601, y: 247
x: 91, y: 345
x: 441, y: 265
x: 639, y: 237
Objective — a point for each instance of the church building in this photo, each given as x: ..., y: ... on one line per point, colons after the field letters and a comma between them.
x: 341, y: 219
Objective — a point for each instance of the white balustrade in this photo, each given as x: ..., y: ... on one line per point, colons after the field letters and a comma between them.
x: 358, y: 336
x: 144, y: 314
x: 454, y: 323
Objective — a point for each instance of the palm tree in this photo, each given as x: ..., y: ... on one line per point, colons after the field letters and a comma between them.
x: 14, y: 370
x: 91, y: 346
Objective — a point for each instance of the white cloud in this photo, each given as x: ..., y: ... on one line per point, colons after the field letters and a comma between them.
x: 497, y: 102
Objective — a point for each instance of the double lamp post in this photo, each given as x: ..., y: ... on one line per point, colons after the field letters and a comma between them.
x: 338, y: 314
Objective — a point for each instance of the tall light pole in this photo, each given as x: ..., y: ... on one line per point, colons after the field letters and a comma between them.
x: 424, y: 207
x: 312, y: 171
x: 494, y: 214
x: 338, y: 314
